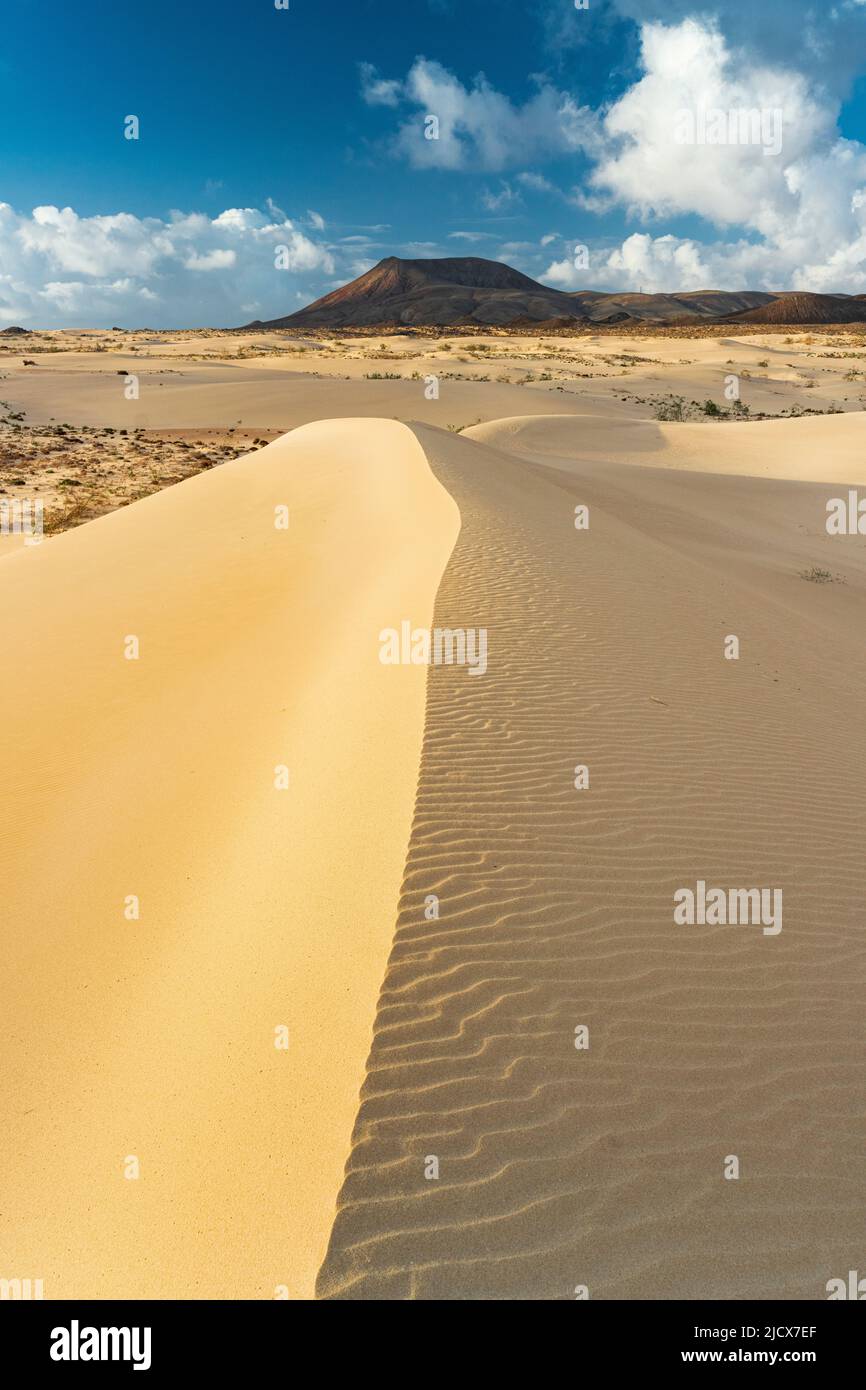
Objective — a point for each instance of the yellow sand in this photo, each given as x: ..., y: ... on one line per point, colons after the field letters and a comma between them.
x: 814, y: 449
x: 259, y: 907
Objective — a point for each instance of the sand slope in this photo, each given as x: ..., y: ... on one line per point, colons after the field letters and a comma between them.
x: 813, y: 448
x: 604, y: 1167
x: 259, y: 907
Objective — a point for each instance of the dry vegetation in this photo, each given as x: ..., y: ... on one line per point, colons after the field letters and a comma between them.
x: 81, y: 472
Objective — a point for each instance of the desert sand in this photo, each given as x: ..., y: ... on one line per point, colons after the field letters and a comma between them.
x: 259, y: 908
x: 303, y: 1172
x: 603, y: 1168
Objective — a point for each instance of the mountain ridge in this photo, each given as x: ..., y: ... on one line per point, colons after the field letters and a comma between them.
x: 470, y: 290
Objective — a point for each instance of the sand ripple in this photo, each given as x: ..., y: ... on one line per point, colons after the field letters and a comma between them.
x: 604, y: 1168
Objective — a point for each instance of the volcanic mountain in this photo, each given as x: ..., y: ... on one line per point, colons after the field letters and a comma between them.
x: 465, y: 289
x: 469, y: 290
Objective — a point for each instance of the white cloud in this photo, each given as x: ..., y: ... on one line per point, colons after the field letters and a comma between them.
x: 73, y: 296
x: 219, y: 259
x: 505, y: 197
x: 58, y: 268
x: 799, y: 214
x: 378, y: 91
x: 689, y: 68
x: 479, y: 127
x: 90, y: 246
x: 537, y: 182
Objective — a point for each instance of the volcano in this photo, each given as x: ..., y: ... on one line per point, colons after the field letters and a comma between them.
x: 462, y: 290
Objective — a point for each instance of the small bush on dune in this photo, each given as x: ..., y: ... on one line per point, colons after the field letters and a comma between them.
x: 671, y: 409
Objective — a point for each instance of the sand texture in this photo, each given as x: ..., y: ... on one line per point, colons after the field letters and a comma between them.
x: 604, y: 1167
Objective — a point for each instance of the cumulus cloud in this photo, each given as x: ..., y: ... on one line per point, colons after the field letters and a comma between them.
x: 828, y: 39
x: 653, y: 263
x: 800, y: 213
x: 478, y: 127
x: 57, y: 267
x: 379, y: 91
x: 689, y: 71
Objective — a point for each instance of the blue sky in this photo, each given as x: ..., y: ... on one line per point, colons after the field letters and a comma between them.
x: 305, y: 129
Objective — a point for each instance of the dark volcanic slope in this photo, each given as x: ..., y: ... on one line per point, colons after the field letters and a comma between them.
x: 807, y: 308
x: 469, y: 290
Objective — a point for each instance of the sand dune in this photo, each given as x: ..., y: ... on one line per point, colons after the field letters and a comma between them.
x: 259, y: 907
x: 603, y: 1168
x: 11, y: 543
x: 558, y: 1167
x: 829, y: 448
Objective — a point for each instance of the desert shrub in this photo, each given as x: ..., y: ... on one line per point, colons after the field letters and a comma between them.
x: 671, y: 409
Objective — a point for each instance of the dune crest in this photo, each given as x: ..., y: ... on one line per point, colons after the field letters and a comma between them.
x: 154, y: 1039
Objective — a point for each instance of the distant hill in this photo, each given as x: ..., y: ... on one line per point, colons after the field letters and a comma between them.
x: 807, y: 308
x: 466, y: 290
x: 668, y: 308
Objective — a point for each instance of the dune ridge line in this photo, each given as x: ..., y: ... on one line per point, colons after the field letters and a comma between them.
x: 260, y: 908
